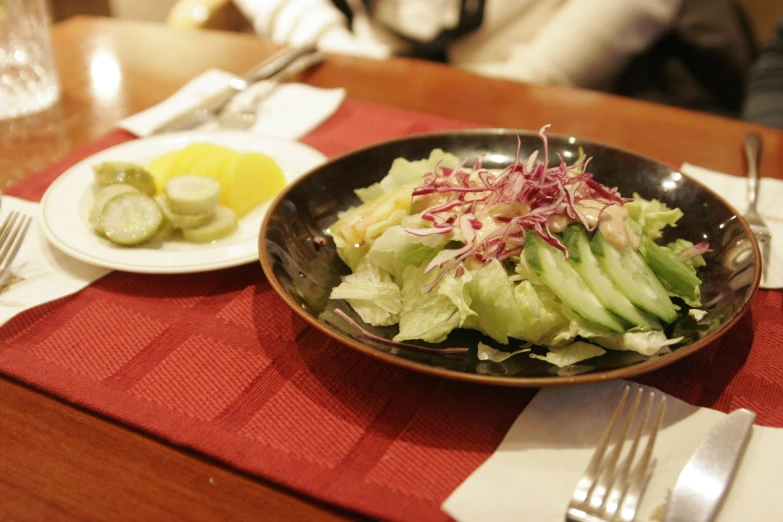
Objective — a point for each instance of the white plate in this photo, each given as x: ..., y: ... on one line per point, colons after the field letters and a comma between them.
x: 66, y: 204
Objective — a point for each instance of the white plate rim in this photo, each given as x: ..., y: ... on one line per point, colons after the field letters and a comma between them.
x: 307, y: 158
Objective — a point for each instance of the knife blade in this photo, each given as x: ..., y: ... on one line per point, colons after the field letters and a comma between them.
x: 707, y: 476
x: 273, y: 67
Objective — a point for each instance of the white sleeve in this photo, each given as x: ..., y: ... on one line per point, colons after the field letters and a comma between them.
x: 298, y: 22
x: 587, y: 42
x: 292, y: 21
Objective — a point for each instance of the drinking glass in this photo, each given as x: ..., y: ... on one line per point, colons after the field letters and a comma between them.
x: 28, y: 78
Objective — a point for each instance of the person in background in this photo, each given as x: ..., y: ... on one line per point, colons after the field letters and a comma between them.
x: 764, y: 92
x: 690, y: 53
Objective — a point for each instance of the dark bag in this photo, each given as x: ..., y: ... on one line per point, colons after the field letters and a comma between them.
x: 701, y: 63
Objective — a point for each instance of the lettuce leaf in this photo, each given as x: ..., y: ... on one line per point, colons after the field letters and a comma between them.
x: 652, y: 215
x: 570, y: 354
x: 406, y: 173
x: 433, y: 315
x: 646, y: 343
x: 372, y: 293
x: 350, y: 254
x: 369, y: 193
x: 494, y: 302
x: 507, y: 309
x: 541, y: 312
x: 395, y: 249
x: 677, y: 277
x: 485, y: 352
x: 681, y: 245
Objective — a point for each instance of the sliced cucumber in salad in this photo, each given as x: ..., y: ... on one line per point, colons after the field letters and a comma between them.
x: 634, y: 278
x: 588, y: 267
x: 560, y: 276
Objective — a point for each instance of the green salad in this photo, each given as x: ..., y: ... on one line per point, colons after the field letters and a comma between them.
x: 545, y: 255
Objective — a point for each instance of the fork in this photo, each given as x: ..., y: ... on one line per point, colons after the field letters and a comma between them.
x: 753, y: 145
x: 243, y: 117
x: 12, y: 233
x: 611, y: 490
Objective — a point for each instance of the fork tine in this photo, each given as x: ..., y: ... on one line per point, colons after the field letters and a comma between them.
x: 587, y: 481
x: 639, y: 480
x: 7, y: 224
x: 12, y: 237
x: 617, y: 493
x: 606, y: 478
x: 610, y: 491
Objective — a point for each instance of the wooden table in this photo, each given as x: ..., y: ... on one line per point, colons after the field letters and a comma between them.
x: 62, y: 463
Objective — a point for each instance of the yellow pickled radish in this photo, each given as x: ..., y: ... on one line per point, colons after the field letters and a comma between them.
x: 248, y: 180
x: 193, y: 155
x: 209, y: 160
x: 214, y: 165
x: 160, y: 168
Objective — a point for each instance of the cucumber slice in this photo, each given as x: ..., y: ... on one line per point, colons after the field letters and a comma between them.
x: 164, y: 232
x: 633, y: 278
x: 586, y: 265
x: 113, y: 172
x: 183, y: 221
x: 667, y: 266
x: 101, y: 198
x: 192, y: 194
x: 131, y: 218
x: 551, y: 267
x: 224, y: 224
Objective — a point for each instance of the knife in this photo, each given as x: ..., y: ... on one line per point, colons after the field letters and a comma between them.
x: 707, y: 476
x: 273, y: 67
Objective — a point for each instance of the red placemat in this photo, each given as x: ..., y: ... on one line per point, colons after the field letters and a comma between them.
x: 216, y: 362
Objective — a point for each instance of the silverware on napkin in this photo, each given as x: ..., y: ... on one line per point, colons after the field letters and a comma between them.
x: 707, y: 476
x: 243, y: 116
x: 283, y: 64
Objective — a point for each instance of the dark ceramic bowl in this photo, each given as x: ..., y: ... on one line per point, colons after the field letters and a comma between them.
x: 304, y: 272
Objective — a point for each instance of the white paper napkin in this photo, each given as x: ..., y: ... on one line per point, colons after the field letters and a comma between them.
x: 40, y: 273
x: 290, y: 111
x: 734, y: 190
x: 533, y: 472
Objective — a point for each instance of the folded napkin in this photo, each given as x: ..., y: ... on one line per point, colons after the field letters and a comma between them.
x: 533, y: 472
x: 40, y: 273
x: 288, y: 110
x: 734, y: 190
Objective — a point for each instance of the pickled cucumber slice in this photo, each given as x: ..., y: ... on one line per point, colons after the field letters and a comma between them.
x: 164, y: 232
x: 131, y: 218
x: 101, y: 198
x: 113, y: 172
x: 183, y: 221
x: 192, y: 194
x: 224, y: 224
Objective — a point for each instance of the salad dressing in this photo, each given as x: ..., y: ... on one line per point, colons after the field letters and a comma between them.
x: 612, y: 223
